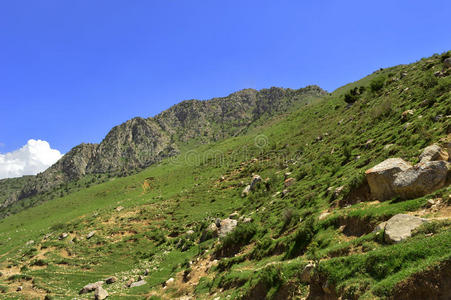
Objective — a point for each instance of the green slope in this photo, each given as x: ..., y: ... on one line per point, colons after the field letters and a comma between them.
x: 324, y: 145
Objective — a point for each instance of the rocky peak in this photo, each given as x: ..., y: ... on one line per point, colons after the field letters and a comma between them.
x: 139, y: 142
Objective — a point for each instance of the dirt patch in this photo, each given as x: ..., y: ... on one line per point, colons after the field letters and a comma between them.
x: 356, y: 226
x: 432, y: 284
x: 356, y: 195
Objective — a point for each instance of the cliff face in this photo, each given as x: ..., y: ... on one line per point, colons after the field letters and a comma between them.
x: 139, y: 142
x: 132, y: 145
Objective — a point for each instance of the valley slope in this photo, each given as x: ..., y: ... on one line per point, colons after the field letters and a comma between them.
x: 269, y: 208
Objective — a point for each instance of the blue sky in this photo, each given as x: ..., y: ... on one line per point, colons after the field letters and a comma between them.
x: 71, y: 70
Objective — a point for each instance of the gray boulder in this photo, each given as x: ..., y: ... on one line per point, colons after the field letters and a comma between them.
x: 90, y: 287
x: 420, y: 180
x: 227, y: 226
x: 100, y: 293
x: 400, y: 227
x: 381, y: 177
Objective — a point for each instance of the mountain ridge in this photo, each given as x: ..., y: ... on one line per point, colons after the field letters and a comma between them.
x: 141, y: 142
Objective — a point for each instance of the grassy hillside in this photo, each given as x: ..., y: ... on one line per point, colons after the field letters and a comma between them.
x: 158, y: 219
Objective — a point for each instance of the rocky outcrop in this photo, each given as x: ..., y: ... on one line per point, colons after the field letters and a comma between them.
x: 132, y: 145
x: 72, y: 166
x: 381, y: 177
x: 400, y: 227
x: 421, y: 179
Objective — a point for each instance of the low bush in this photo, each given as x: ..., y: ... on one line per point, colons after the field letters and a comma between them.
x: 235, y: 240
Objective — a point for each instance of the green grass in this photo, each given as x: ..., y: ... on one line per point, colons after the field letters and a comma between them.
x: 324, y: 145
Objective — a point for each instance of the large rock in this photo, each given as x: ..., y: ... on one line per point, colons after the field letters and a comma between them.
x: 227, y: 226
x: 400, y: 227
x: 90, y: 287
x: 432, y: 153
x: 381, y: 177
x: 100, y: 293
x: 420, y: 180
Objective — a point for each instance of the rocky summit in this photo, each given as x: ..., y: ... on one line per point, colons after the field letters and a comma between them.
x: 270, y: 194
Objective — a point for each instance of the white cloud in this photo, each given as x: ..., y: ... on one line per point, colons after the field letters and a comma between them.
x: 36, y: 156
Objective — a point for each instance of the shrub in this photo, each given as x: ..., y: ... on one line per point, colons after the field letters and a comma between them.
x: 302, y: 239
x: 238, y: 238
x: 353, y: 95
x: 377, y: 83
x: 382, y: 110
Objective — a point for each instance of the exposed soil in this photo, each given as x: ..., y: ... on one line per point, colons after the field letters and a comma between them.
x: 432, y: 284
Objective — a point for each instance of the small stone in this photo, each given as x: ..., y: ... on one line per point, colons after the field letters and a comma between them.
x: 247, y: 220
x: 289, y: 182
x: 90, y: 235
x: 63, y: 236
x: 430, y: 203
x: 406, y: 114
x: 234, y: 215
x: 169, y: 281
x: 338, y: 191
x: 111, y: 280
x: 323, y: 215
x: 380, y: 227
x: 246, y: 191
x: 119, y: 208
x: 388, y: 146
x: 129, y: 282
x: 138, y: 283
